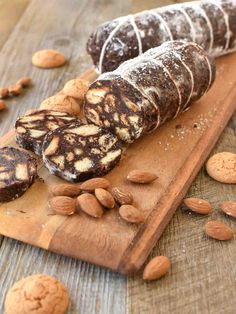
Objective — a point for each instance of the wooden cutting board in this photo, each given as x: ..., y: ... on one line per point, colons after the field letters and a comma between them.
x: 175, y: 152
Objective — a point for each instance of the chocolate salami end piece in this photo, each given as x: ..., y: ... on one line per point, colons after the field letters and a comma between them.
x: 18, y: 171
x: 32, y: 128
x: 209, y: 23
x: 81, y: 151
x: 143, y: 93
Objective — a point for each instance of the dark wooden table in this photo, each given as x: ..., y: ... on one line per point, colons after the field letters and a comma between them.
x: 203, y: 275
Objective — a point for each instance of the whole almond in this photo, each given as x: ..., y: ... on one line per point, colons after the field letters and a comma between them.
x: 76, y: 88
x: 229, y: 208
x: 48, y: 58
x: 139, y: 176
x: 15, y: 90
x: 105, y: 198
x: 2, y: 105
x: 4, y: 93
x: 222, y: 167
x: 198, y: 205
x: 90, y: 205
x: 95, y: 183
x: 63, y: 205
x: 65, y: 189
x: 121, y: 196
x: 24, y: 81
x: 62, y: 103
x: 131, y: 214
x: 218, y: 230
x: 156, y: 268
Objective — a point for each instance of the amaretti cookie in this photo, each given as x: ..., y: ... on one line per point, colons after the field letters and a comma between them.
x: 80, y: 151
x: 32, y: 128
x: 18, y: 171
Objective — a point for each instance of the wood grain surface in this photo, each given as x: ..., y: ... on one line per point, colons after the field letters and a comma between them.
x: 202, y: 279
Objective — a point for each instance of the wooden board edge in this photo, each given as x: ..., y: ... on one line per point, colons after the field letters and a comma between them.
x: 149, y: 233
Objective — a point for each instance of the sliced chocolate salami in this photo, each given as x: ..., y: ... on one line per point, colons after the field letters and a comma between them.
x: 18, y: 171
x: 209, y: 23
x: 80, y: 151
x: 32, y: 128
x: 143, y: 93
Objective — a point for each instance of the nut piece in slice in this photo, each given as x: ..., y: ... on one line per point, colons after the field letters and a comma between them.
x: 37, y: 294
x: 122, y: 196
x: 62, y: 103
x: 62, y: 205
x: 131, y: 214
x: 95, y: 183
x: 218, y: 230
x: 33, y: 127
x: 18, y: 171
x: 105, y: 198
x: 64, y: 189
x: 222, y: 167
x: 143, y: 177
x: 156, y: 268
x: 229, y: 207
x: 76, y: 88
x: 90, y: 205
x: 83, y: 151
x: 48, y: 58
x: 198, y: 205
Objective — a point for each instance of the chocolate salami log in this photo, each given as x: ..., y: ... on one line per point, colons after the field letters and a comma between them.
x: 18, y: 171
x: 32, y: 128
x: 80, y: 151
x: 209, y: 23
x: 142, y: 93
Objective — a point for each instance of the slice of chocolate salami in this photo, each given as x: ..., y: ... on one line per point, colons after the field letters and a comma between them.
x: 143, y: 93
x: 18, y: 171
x: 209, y: 23
x: 80, y: 151
x: 32, y: 128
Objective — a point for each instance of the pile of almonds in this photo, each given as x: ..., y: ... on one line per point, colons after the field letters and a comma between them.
x: 94, y: 195
x: 13, y: 90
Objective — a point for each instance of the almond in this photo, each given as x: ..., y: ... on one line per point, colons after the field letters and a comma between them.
x: 222, y: 167
x: 90, y: 205
x: 63, y: 205
x: 198, y: 205
x: 229, y: 208
x: 139, y: 176
x: 15, y: 90
x: 2, y: 105
x: 24, y: 81
x: 131, y: 214
x: 121, y: 196
x: 218, y: 230
x: 95, y: 183
x: 76, y: 88
x: 62, y: 103
x: 65, y: 189
x: 105, y: 198
x: 48, y: 58
x: 156, y: 268
x: 4, y: 93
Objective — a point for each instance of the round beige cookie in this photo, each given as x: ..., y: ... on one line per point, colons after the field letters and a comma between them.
x: 37, y: 294
x: 76, y: 88
x: 222, y: 167
x: 48, y: 58
x: 62, y: 103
